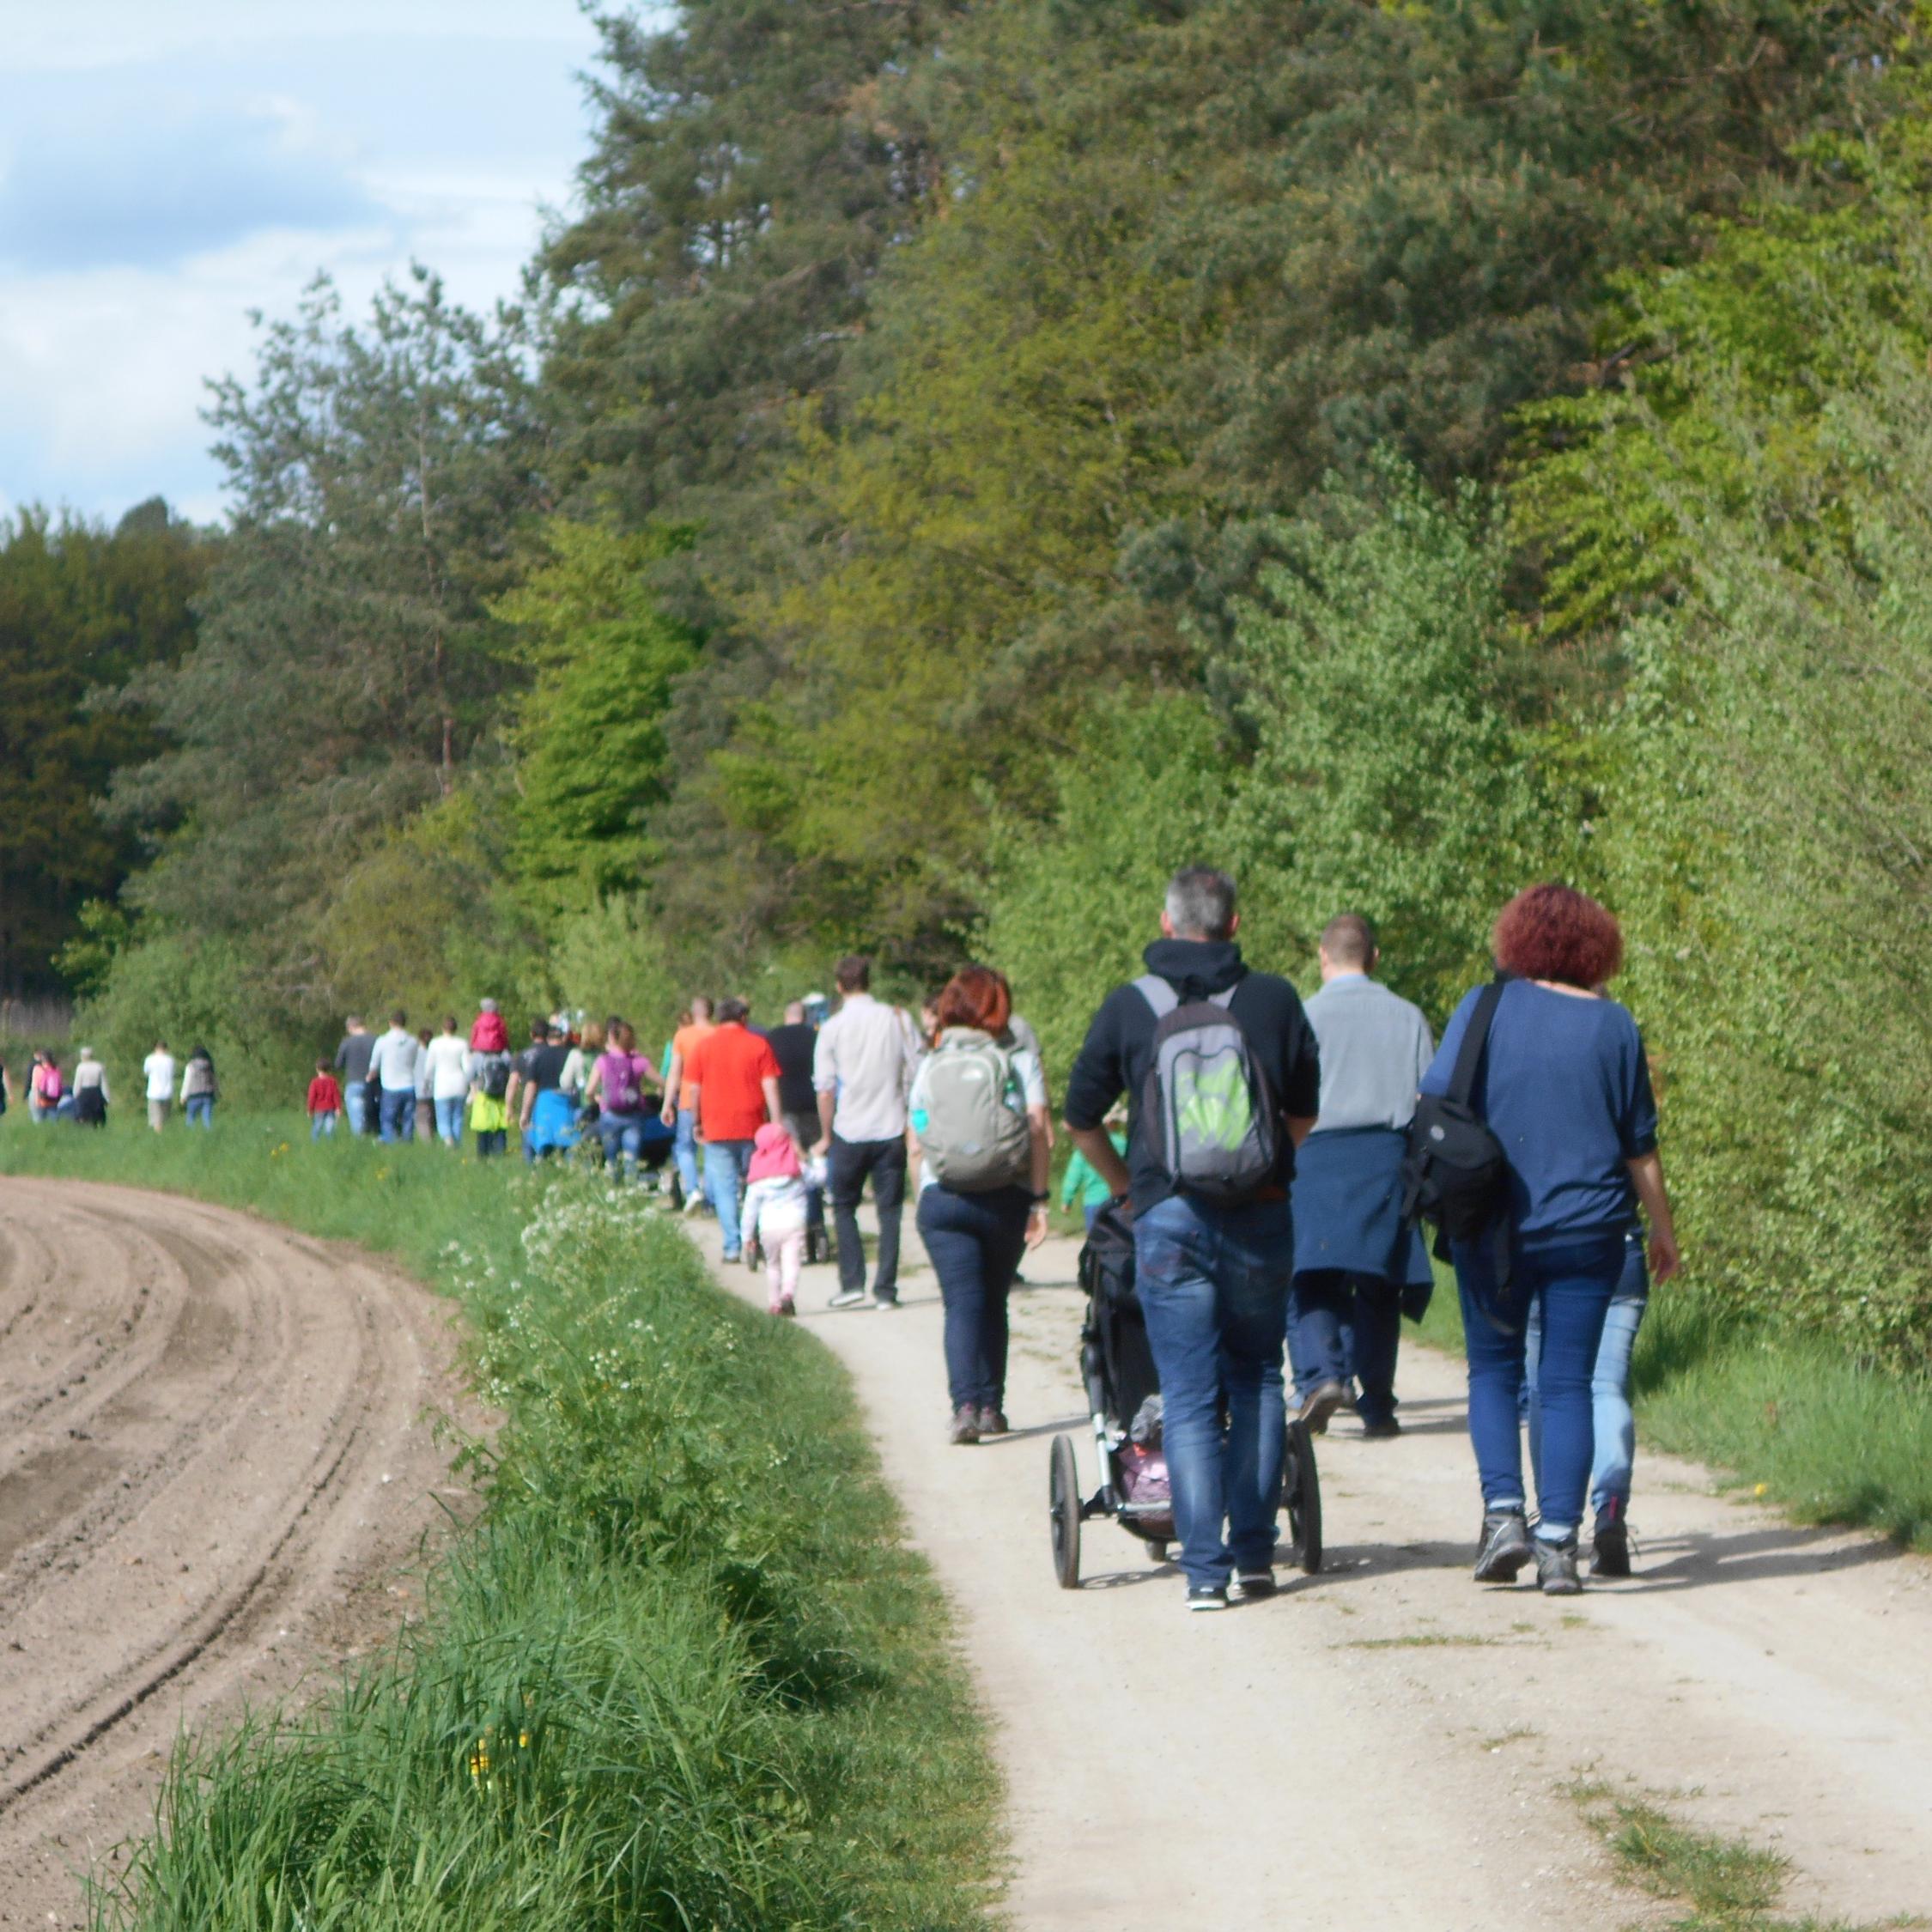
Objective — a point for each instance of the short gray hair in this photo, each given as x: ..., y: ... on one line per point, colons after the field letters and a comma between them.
x: 1200, y: 903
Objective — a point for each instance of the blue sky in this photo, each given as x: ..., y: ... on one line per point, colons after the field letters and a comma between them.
x: 166, y: 166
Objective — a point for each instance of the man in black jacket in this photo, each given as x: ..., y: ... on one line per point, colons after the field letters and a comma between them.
x: 1213, y: 1277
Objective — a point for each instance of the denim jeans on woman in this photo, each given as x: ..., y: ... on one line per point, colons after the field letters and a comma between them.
x: 684, y: 1152
x: 976, y: 1243
x: 1614, y: 1426
x: 449, y: 1120
x: 1571, y: 1286
x: 622, y: 1135
x: 1213, y: 1284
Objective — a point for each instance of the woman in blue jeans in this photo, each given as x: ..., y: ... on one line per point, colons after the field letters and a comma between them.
x: 1615, y: 1426
x: 977, y: 1237
x: 1564, y: 1087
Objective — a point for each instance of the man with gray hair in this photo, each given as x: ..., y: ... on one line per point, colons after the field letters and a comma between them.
x: 1211, y: 1265
x: 1356, y: 1266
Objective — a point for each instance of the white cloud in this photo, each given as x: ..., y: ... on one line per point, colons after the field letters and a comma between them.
x: 237, y: 150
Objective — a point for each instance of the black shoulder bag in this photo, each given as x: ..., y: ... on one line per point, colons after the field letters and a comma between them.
x: 1454, y: 1175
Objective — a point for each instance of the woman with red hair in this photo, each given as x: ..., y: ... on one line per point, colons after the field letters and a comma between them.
x: 977, y: 1133
x: 1563, y: 1086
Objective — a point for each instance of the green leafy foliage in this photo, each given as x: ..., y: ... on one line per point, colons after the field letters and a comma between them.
x: 83, y: 610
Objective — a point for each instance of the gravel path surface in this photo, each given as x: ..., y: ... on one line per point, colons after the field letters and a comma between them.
x: 216, y: 1465
x: 1387, y: 1744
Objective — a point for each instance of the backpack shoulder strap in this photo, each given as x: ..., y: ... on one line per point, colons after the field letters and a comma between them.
x: 1158, y: 993
x: 1475, y: 1038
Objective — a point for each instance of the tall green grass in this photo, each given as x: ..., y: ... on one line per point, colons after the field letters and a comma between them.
x: 1828, y: 1437
x: 680, y: 1674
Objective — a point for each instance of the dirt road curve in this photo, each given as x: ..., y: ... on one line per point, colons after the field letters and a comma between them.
x: 214, y: 1456
x: 1308, y: 1761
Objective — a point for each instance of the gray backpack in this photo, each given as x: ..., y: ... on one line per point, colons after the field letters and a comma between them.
x: 1207, y: 1110
x: 973, y: 1137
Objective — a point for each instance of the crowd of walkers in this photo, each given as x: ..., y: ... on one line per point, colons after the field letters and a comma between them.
x: 1272, y: 1215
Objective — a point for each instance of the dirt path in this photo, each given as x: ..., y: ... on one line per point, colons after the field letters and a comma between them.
x: 1386, y: 1744
x: 215, y: 1457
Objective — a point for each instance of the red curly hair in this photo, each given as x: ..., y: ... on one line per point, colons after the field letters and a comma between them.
x: 1553, y: 932
x: 976, y: 996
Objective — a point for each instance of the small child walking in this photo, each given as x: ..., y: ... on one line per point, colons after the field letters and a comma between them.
x: 773, y: 1215
x: 325, y: 1102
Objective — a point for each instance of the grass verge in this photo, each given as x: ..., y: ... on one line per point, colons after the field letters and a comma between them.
x: 1722, y: 1884
x: 679, y: 1674
x: 1829, y: 1439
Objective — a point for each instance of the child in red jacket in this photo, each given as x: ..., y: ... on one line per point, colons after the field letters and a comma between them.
x: 325, y: 1102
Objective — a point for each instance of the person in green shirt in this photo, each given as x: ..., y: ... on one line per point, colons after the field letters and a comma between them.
x: 1081, y: 1183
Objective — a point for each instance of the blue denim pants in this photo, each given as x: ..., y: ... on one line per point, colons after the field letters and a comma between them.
x: 622, y: 1135
x: 725, y: 1165
x: 398, y: 1114
x: 321, y: 1127
x: 449, y: 1121
x: 1571, y: 1286
x: 684, y: 1152
x: 200, y: 1110
x: 1342, y: 1325
x: 1614, y: 1456
x: 356, y: 1104
x: 976, y: 1243
x: 1213, y: 1284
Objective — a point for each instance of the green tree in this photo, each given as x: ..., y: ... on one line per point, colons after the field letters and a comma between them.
x: 348, y: 667
x: 1389, y: 777
x: 82, y: 610
x: 589, y: 736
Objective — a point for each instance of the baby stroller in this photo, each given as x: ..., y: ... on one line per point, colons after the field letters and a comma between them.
x: 1123, y: 1396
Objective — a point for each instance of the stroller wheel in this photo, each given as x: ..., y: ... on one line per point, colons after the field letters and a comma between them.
x: 1300, y: 1496
x: 1063, y: 1498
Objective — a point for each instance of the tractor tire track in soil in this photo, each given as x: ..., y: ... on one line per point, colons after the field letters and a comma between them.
x: 217, y: 1471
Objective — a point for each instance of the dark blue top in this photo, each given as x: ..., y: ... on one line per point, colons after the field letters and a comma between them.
x: 1564, y: 1087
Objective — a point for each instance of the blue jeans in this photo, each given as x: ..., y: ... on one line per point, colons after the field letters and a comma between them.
x: 725, y: 1165
x: 449, y: 1121
x: 397, y: 1115
x: 356, y: 1104
x: 201, y: 1110
x: 321, y: 1127
x: 684, y: 1152
x: 975, y: 1241
x: 622, y: 1135
x: 1344, y: 1326
x: 1614, y: 1426
x: 1571, y: 1286
x: 1213, y: 1284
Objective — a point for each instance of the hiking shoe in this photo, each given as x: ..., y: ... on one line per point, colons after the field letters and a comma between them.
x: 1381, y: 1431
x: 787, y: 1308
x: 1253, y: 1586
x: 1610, y: 1542
x: 1556, y: 1566
x: 847, y: 1297
x: 992, y: 1423
x: 965, y: 1423
x: 1322, y: 1401
x: 1503, y: 1546
x: 1207, y: 1597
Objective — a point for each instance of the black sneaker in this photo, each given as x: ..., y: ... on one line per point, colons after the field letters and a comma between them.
x: 1556, y: 1567
x: 1322, y: 1403
x: 1610, y: 1544
x: 1254, y: 1586
x: 1207, y: 1597
x: 965, y: 1423
x: 1381, y: 1431
x: 1502, y: 1547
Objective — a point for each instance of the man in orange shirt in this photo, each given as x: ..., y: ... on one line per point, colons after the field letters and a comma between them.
x: 732, y: 1077
x: 679, y: 1100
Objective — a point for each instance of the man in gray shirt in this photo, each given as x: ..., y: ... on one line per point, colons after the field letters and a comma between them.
x: 1353, y: 1258
x: 862, y: 1070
